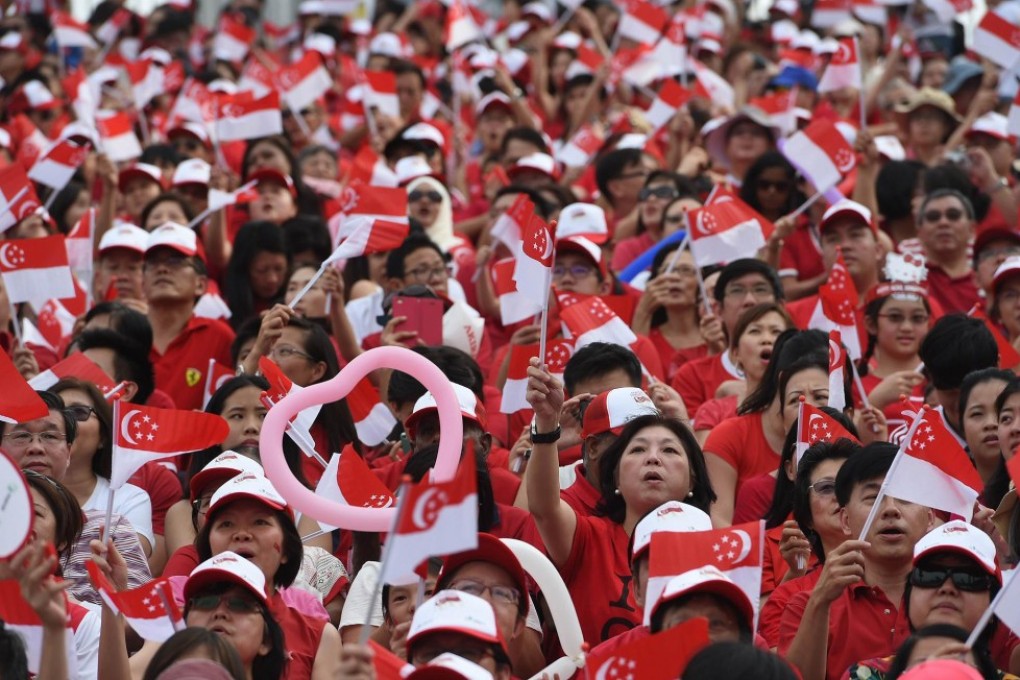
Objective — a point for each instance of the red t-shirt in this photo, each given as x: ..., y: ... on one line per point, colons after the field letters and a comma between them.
x: 714, y: 411
x: 953, y: 295
x: 672, y: 358
x: 754, y: 499
x: 163, y: 489
x: 774, y: 567
x: 182, y: 562
x: 302, y: 634
x: 772, y: 610
x: 741, y: 442
x: 581, y: 495
x: 863, y: 624
x: 627, y: 250
x: 697, y: 380
x: 180, y: 371
x: 893, y: 412
x: 801, y: 256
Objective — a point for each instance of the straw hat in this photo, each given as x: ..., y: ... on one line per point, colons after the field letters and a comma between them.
x: 936, y: 99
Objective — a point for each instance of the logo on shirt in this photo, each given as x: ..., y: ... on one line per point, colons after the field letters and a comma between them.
x: 192, y: 376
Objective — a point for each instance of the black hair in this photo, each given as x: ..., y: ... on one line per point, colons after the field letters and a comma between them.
x: 165, y: 197
x: 64, y: 200
x: 737, y: 660
x: 985, y: 665
x: 871, y: 462
x: 413, y: 243
x: 597, y: 359
x: 307, y: 202
x: 424, y: 459
x: 292, y: 548
x: 404, y: 388
x: 841, y: 449
x: 130, y: 358
x: 783, y: 498
x: 53, y: 403
x: 679, y: 182
x: 955, y: 346
x: 102, y: 460
x: 306, y: 233
x: 67, y: 513
x: 435, y: 565
x: 399, y: 67
x: 613, y: 505
x: 249, y: 330
x: 743, y: 267
x: 253, y: 238
x: 895, y: 180
x: 997, y: 486
x: 12, y: 648
x: 768, y: 160
x: 951, y: 177
x: 752, y: 314
x: 793, y: 349
x: 562, y: 195
x: 542, y: 207
x: 744, y: 632
x: 127, y: 321
x: 871, y: 312
x: 155, y: 154
x: 523, y: 134
x: 659, y: 316
x: 194, y: 639
x: 611, y: 165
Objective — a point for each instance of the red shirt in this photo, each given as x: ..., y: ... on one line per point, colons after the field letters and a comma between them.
x: 754, y: 499
x: 953, y: 295
x: 163, y: 489
x: 801, y: 256
x: 697, y: 380
x: 774, y: 567
x: 182, y: 562
x: 714, y: 411
x: 772, y: 610
x: 302, y: 634
x: 741, y: 442
x: 863, y: 624
x: 894, y: 411
x: 581, y: 495
x: 671, y: 357
x: 180, y: 371
x: 627, y: 250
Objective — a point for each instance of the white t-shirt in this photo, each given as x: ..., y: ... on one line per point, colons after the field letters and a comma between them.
x: 129, y: 501
x: 86, y: 646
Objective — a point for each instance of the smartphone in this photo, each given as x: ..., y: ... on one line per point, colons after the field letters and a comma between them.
x: 424, y: 315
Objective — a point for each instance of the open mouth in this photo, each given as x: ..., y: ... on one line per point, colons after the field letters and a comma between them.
x: 653, y: 476
x: 219, y: 629
x: 246, y: 553
x: 892, y: 532
x: 766, y: 354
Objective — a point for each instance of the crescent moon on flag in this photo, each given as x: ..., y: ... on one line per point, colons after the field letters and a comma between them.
x: 125, y: 425
x: 3, y: 257
x: 834, y: 350
x: 842, y: 55
x: 745, y: 545
x: 604, y: 668
x: 418, y: 513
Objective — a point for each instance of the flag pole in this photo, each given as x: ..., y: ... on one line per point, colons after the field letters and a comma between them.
x: 697, y: 269
x: 308, y: 286
x: 676, y: 254
x: 11, y: 203
x: 989, y: 613
x: 858, y: 384
x: 861, y: 92
x: 387, y: 549
x: 314, y: 534
x: 805, y: 205
x: 177, y: 624
x: 885, y: 482
x: 545, y: 300
x: 307, y: 447
x: 15, y: 323
x: 801, y: 561
x: 104, y: 531
x: 52, y: 197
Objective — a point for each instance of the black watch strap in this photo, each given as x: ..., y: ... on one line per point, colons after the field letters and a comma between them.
x: 546, y: 438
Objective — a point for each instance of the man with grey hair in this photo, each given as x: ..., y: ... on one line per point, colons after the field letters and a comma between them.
x: 945, y: 228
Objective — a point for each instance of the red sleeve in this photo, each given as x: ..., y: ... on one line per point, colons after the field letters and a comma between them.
x: 713, y: 412
x: 790, y: 620
x: 771, y: 572
x: 182, y: 562
x: 584, y: 533
x: 754, y: 499
x: 800, y: 310
x: 163, y: 489
x: 690, y: 386
x: 727, y: 440
x: 505, y: 485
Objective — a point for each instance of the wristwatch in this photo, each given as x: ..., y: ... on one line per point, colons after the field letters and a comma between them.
x: 546, y: 438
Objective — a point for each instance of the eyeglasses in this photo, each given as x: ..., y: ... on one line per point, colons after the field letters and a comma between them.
x: 664, y: 192
x: 22, y: 440
x: 429, y: 273
x: 1010, y: 296
x: 473, y: 654
x: 170, y: 262
x: 782, y: 186
x: 286, y: 352
x: 235, y: 603
x: 674, y: 219
x: 897, y: 319
x: 968, y: 581
x: 951, y: 214
x: 576, y: 271
x: 80, y: 412
x: 417, y: 195
x: 502, y: 594
x: 761, y: 292
x: 824, y: 487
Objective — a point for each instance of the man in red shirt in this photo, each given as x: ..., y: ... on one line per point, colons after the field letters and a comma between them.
x: 859, y: 595
x: 945, y: 227
x: 173, y: 278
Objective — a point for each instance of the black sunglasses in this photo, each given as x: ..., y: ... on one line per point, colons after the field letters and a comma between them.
x: 968, y: 581
x: 417, y: 195
x: 80, y: 412
x: 664, y: 192
x: 235, y: 603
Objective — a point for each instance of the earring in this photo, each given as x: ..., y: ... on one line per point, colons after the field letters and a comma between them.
x: 690, y: 494
x: 617, y: 492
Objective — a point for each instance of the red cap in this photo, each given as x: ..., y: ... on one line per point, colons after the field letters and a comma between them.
x: 584, y: 247
x: 612, y: 410
x: 275, y: 176
x: 845, y: 208
x: 492, y: 550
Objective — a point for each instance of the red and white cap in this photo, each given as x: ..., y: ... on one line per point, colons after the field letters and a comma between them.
x: 449, y: 666
x: 158, y: 55
x: 610, y: 411
x: 38, y: 96
x: 470, y: 407
x: 411, y: 168
x: 1009, y: 268
x: 388, y: 44
x: 992, y: 124
x: 539, y: 10
x: 492, y: 550
x: 227, y: 566
x: 321, y: 43
x: 583, y: 219
x: 192, y: 171
x: 145, y: 170
x: 671, y: 516
x: 707, y: 579
x: 942, y: 669
x: 890, y: 147
x: 844, y: 208
x: 78, y: 131
x: 254, y: 485
x: 423, y: 132
x: 124, y: 235
x: 535, y: 162
x: 961, y: 538
x: 173, y: 235
x: 584, y: 247
x: 12, y: 41
x: 222, y: 468
x: 452, y: 611
x: 491, y: 100
x: 274, y: 176
x: 787, y: 7
x: 190, y: 128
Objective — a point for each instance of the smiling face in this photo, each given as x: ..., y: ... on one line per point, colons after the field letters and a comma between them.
x: 137, y: 193
x: 252, y: 530
x: 218, y: 610
x: 653, y: 469
x: 900, y: 327
x: 947, y: 603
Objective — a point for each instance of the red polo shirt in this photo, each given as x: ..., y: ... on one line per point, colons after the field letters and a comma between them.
x: 863, y: 624
x: 953, y: 295
x: 180, y: 371
x: 581, y: 495
x: 772, y: 610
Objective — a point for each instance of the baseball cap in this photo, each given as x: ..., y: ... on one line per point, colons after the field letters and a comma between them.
x: 707, y: 579
x: 79, y: 132
x: 845, y: 208
x: 993, y: 233
x: 275, y: 176
x: 173, y: 235
x: 470, y: 408
x: 535, y: 162
x: 1009, y: 268
x: 493, y: 99
x: 192, y: 171
x: 585, y: 248
x: 539, y: 10
x: 227, y: 567
x: 890, y: 147
x: 222, y: 468
x: 787, y: 7
x: 492, y: 550
x: 671, y: 516
x: 37, y: 96
x: 388, y: 44
x: 146, y: 170
x: 992, y: 124
x: 961, y: 69
x: 410, y: 168
x: 253, y: 485
x: 449, y: 666
x: 610, y: 411
x: 189, y: 128
x: 125, y: 235
x: 423, y: 132
x: 962, y: 538
x: 583, y: 219
x: 795, y: 76
x: 451, y: 611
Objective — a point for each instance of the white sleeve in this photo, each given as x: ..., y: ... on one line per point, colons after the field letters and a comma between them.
x: 134, y: 505
x: 359, y: 599
x: 532, y: 621
x: 86, y: 646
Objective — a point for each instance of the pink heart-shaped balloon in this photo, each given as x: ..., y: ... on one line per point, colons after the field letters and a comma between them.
x: 451, y: 438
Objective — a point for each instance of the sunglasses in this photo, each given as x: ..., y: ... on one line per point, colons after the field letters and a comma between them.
x: 951, y: 214
x: 934, y: 577
x: 235, y: 603
x: 433, y: 196
x: 664, y: 192
x: 80, y: 412
x: 781, y: 186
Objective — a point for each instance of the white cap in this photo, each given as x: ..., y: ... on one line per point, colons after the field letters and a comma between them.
x: 146, y: 170
x: 38, y: 95
x: 227, y: 566
x: 583, y: 219
x: 77, y: 129
x: 1009, y: 268
x: 158, y: 55
x: 125, y: 235
x: 827, y: 46
x: 807, y: 40
x: 11, y: 41
x: 189, y: 127
x: 454, y: 611
x: 173, y: 235
x: 388, y: 44
x: 192, y: 171
x: 586, y: 248
x: 539, y: 10
x: 632, y: 140
x: 248, y: 485
x: 496, y: 98
x: 514, y: 59
x: 540, y: 162
x: 223, y: 467
x: 846, y: 207
x: 517, y: 30
x: 424, y: 132
x: 961, y: 538
x: 223, y: 86
x: 671, y: 516
x: 411, y: 167
x: 707, y: 579
x: 787, y: 7
x: 449, y: 666
x: 567, y: 40
x: 321, y: 43
x: 890, y: 147
x: 992, y: 124
x: 470, y: 408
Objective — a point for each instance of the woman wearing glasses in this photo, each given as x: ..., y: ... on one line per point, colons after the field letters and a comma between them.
x: 659, y: 190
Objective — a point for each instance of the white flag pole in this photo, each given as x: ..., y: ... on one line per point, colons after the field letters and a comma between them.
x: 104, y: 531
x: 366, y: 628
x: 990, y: 612
x: 697, y: 270
x: 544, y: 324
x: 885, y: 482
x: 676, y: 253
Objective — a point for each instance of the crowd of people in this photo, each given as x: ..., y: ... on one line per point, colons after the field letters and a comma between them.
x: 208, y: 283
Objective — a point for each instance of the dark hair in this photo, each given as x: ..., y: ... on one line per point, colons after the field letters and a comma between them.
x: 435, y: 565
x: 413, y: 243
x: 743, y: 267
x: 64, y: 200
x: 292, y: 548
x: 597, y: 359
x: 307, y: 202
x: 611, y: 165
x: 869, y: 463
x: 752, y: 314
x: 155, y: 154
x: 129, y: 322
x: 12, y: 648
x: 871, y: 312
x: 768, y: 160
x: 955, y: 346
x: 130, y: 359
x: 399, y: 67
x: 679, y: 182
x: 948, y: 176
x: 523, y: 134
x: 67, y: 513
x: 165, y: 197
x: 737, y: 660
x: 193, y: 639
x: 542, y: 207
x: 306, y: 233
x: 252, y: 239
x: 249, y: 330
x: 783, y: 498
x: 841, y: 449
x: 744, y: 632
x: 424, y: 459
x: 404, y: 388
x: 895, y: 180
x: 793, y: 350
x: 613, y: 506
x: 53, y: 403
x: 998, y: 485
x: 103, y: 457
x: 985, y: 665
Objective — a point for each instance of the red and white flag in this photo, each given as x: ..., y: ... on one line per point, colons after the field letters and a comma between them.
x: 147, y: 81
x: 997, y: 39
x: 642, y: 22
x: 279, y: 387
x: 194, y: 103
x: 149, y: 609
x: 54, y: 323
x: 1009, y: 358
x: 57, y: 166
x: 304, y: 81
x: 670, y: 98
x: 581, y: 148
x: 662, y: 656
x: 243, y: 194
x: 144, y: 433
x: 36, y: 269
x: 19, y: 617
x: 736, y: 551
x: 80, y: 243
x: 215, y: 376
x: 933, y: 469
x: 364, y: 235
x: 110, y: 29
x: 372, y: 419
x: 725, y: 231
x: 370, y: 168
x: 557, y: 354
x: 241, y: 120
x: 69, y: 32
x: 837, y: 307
x: 870, y: 11
x: 17, y: 196
x: 844, y: 70
x: 259, y: 78
x: 76, y: 365
x: 18, y: 401
x: 837, y: 371
x: 374, y: 202
x: 670, y: 53
x: 514, y: 306
x: 829, y: 13
x: 591, y: 320
x: 380, y: 92
x: 533, y: 273
x: 947, y: 10
x: 117, y: 137
x: 1006, y: 605
x: 348, y: 481
x: 781, y: 109
x: 435, y: 518
x: 711, y: 86
x: 813, y: 426
x: 822, y: 153
x: 233, y: 39
x: 461, y: 27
